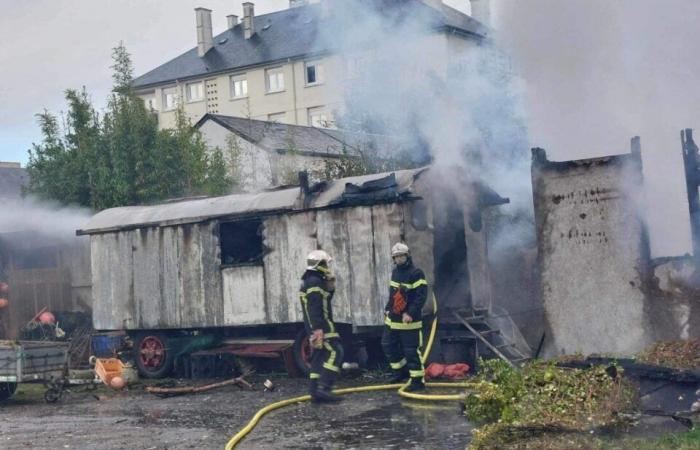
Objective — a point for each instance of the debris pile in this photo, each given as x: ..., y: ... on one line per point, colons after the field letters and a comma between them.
x: 684, y: 354
x: 517, y: 405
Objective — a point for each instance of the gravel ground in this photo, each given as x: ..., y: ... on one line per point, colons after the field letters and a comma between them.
x: 134, y: 419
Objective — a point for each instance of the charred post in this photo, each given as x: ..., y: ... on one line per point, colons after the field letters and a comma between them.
x: 692, y: 180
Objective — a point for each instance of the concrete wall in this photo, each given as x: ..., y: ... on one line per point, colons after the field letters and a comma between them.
x: 593, y: 254
x: 256, y: 168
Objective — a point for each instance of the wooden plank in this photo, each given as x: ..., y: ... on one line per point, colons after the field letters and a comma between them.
x: 191, y: 276
x: 387, y: 229
x: 146, y: 257
x: 288, y: 240
x: 171, y: 294
x: 212, y: 283
x: 243, y: 295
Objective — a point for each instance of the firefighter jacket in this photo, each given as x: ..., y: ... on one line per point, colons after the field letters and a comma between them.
x: 316, y: 304
x: 407, y: 293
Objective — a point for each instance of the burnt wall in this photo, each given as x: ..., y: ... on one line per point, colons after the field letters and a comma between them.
x: 593, y: 254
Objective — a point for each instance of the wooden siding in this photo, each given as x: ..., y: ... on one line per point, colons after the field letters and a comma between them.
x: 244, y: 295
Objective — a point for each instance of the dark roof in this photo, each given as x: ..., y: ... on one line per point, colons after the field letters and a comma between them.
x: 280, y: 35
x: 12, y: 179
x: 309, y: 140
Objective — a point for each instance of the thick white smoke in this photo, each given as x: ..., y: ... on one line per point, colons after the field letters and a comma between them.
x: 457, y: 96
x: 41, y: 219
x: 599, y: 72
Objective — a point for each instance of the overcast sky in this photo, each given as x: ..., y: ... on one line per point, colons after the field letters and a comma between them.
x: 596, y: 73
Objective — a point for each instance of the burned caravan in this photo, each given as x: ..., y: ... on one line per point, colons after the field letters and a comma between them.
x: 231, y: 265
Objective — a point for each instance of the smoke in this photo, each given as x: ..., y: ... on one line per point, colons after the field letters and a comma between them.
x: 456, y: 96
x: 599, y: 72
x: 41, y: 219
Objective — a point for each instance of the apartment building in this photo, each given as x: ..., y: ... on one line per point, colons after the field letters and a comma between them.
x: 273, y: 67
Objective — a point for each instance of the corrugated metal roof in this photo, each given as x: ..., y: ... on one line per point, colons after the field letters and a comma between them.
x: 290, y: 33
x: 199, y: 210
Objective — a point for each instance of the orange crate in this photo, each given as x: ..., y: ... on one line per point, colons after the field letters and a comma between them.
x: 108, y: 368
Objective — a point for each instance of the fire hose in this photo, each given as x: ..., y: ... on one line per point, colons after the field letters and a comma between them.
x: 401, y: 390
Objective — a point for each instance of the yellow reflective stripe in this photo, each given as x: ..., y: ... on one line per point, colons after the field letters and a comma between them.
x: 398, y: 365
x: 420, y: 347
x: 305, y: 303
x: 316, y: 289
x: 331, y: 326
x: 314, y: 376
x: 421, y: 282
x: 331, y: 335
x: 330, y: 363
x: 331, y: 367
x: 417, y: 325
x: 416, y: 373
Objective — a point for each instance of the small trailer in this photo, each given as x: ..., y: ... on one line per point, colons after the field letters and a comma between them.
x: 33, y: 362
x: 230, y: 266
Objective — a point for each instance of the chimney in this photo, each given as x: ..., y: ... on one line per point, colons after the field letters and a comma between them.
x: 205, y: 36
x: 481, y: 11
x: 248, y: 16
x: 232, y: 20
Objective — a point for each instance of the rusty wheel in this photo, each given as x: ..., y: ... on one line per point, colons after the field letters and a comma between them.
x: 153, y: 357
x: 302, y: 352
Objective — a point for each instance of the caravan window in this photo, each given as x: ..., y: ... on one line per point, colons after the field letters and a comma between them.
x: 241, y: 242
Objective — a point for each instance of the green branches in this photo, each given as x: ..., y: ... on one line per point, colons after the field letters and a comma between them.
x: 120, y: 158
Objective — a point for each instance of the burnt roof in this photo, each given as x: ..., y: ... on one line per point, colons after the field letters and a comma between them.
x: 290, y: 33
x: 12, y: 180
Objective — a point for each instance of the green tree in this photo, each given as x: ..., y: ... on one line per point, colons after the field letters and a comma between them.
x: 121, y: 158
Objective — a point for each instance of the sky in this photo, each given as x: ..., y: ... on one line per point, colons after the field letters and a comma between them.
x: 594, y: 73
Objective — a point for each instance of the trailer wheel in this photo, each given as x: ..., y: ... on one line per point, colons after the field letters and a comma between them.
x: 7, y: 390
x: 154, y: 355
x: 302, y: 352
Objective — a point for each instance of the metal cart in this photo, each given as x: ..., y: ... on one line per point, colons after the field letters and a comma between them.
x: 33, y: 362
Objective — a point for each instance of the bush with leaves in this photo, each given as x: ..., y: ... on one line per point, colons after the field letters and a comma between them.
x: 544, y: 398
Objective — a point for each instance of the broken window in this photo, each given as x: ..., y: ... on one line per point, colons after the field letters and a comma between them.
x: 241, y: 242
x: 314, y: 73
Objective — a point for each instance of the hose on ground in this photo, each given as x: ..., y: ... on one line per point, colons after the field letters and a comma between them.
x: 400, y: 386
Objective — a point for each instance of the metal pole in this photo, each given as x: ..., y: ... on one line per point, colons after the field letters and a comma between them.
x: 692, y: 179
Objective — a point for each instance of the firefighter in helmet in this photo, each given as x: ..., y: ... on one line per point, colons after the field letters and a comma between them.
x: 402, y: 340
x: 316, y: 293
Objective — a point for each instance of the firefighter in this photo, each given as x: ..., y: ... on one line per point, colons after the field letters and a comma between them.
x: 316, y: 293
x: 402, y: 340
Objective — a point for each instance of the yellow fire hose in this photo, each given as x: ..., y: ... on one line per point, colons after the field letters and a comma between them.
x: 401, y: 390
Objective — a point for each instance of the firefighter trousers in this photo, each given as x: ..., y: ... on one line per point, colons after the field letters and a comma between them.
x: 404, y: 350
x: 326, y: 361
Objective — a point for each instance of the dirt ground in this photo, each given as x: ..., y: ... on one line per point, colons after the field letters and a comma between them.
x: 134, y: 419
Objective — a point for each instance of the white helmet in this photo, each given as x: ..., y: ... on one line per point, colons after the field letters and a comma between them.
x: 317, y: 257
x: 399, y: 249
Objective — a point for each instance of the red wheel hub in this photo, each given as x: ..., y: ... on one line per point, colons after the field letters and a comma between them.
x: 306, y: 352
x: 152, y: 352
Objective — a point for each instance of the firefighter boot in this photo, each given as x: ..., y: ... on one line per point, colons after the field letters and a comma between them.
x: 399, y: 376
x: 324, y: 395
x: 313, y: 388
x: 415, y: 385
